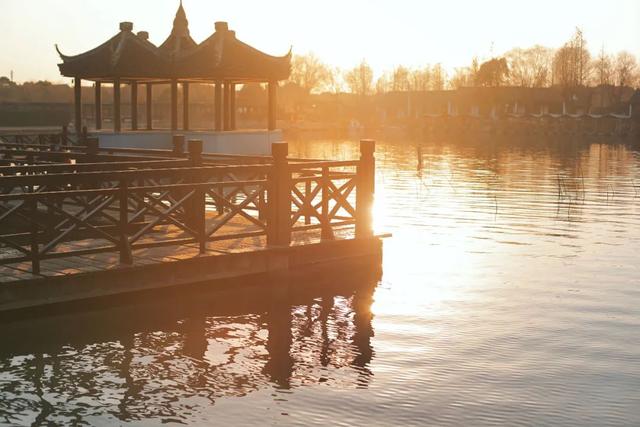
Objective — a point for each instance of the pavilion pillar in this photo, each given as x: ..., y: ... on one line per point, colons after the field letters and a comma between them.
x: 98, y: 102
x: 185, y: 106
x: 272, y: 87
x: 174, y: 104
x: 134, y: 105
x: 232, y: 106
x: 116, y: 106
x: 149, y: 112
x: 225, y: 108
x: 218, y: 107
x: 77, y: 92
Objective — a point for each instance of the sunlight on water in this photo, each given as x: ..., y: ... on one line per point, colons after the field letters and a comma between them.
x: 510, y: 295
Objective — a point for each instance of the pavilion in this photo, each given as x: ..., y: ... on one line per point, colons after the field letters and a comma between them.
x: 131, y: 59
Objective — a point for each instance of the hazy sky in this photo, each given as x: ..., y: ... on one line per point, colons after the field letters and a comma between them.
x: 341, y: 32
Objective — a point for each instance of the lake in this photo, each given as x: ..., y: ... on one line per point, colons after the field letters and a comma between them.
x: 509, y: 294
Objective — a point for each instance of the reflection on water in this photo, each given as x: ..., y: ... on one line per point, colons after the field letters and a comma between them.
x: 510, y: 295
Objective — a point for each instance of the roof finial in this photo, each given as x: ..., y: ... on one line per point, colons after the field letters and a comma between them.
x: 180, y: 22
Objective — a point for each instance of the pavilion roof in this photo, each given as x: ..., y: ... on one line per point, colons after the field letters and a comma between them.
x: 222, y: 56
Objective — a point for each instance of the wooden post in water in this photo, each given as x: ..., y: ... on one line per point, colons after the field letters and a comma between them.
x: 197, y: 205
x: 365, y: 188
x: 279, y: 197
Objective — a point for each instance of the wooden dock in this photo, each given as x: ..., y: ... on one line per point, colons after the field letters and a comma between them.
x: 78, y: 222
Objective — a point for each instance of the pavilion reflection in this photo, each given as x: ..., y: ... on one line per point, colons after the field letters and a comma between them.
x: 150, y: 360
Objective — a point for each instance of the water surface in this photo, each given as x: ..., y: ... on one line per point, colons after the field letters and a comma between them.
x: 510, y: 294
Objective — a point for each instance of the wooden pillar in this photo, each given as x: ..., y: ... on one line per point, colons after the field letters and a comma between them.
x: 365, y: 188
x: 174, y: 104
x: 185, y: 106
x: 98, y: 101
x: 232, y: 106
x: 225, y: 108
x: 134, y: 105
x: 77, y: 91
x: 149, y: 112
x: 116, y: 106
x: 272, y: 86
x: 218, y: 106
x: 279, y: 188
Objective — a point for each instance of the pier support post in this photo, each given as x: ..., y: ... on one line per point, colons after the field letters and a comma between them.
x: 116, y: 106
x: 92, y: 147
x: 185, y: 105
x: 98, y: 108
x: 77, y: 92
x: 174, y: 104
x: 64, y: 135
x: 134, y: 105
x: 149, y: 112
x: 218, y: 106
x: 232, y: 106
x: 326, y: 232
x: 178, y: 145
x: 271, y: 122
x: 197, y: 206
x: 123, y: 199
x: 365, y: 188
x: 279, y: 197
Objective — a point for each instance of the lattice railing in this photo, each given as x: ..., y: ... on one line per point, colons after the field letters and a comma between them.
x: 64, y: 212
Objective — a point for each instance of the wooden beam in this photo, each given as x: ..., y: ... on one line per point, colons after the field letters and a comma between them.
x: 149, y: 112
x: 225, y: 108
x: 218, y: 107
x: 98, y: 102
x: 272, y: 87
x: 134, y: 105
x: 116, y: 106
x: 185, y: 105
x: 232, y: 106
x: 77, y: 91
x: 174, y: 104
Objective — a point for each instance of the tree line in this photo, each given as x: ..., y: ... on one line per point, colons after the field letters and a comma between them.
x: 570, y: 65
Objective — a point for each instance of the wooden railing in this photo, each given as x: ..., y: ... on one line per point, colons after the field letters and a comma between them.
x: 62, y: 210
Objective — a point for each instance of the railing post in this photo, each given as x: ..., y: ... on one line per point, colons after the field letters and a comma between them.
x: 196, y: 212
x: 279, y: 197
x: 92, y: 147
x: 64, y: 136
x: 35, y: 248
x: 178, y: 145
x: 326, y: 232
x: 85, y: 135
x: 365, y: 188
x: 123, y: 199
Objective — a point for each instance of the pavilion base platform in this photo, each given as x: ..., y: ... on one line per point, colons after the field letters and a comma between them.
x: 240, y: 142
x: 247, y: 261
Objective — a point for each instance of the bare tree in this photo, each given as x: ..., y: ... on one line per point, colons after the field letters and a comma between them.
x: 625, y: 69
x: 360, y: 79
x: 571, y: 63
x: 308, y: 72
x: 438, y: 77
x: 603, y: 68
x: 529, y: 67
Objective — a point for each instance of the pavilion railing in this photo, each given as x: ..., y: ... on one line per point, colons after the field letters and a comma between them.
x: 82, y: 209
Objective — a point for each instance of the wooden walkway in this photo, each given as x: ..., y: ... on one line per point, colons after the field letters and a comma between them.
x: 82, y: 222
x: 79, y: 264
